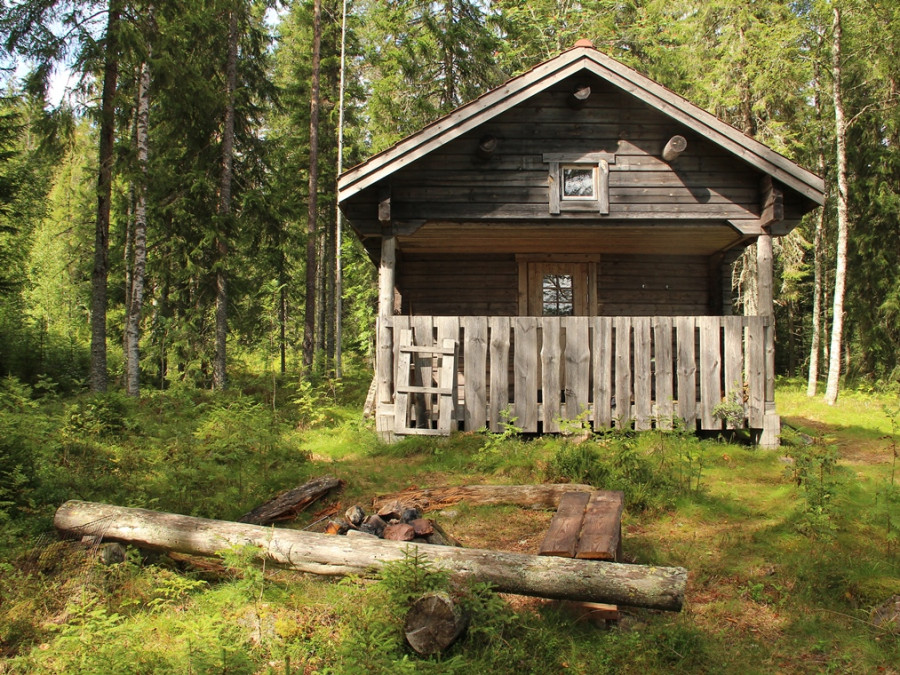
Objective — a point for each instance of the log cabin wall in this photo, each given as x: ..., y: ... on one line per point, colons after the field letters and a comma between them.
x: 641, y: 285
x: 458, y: 285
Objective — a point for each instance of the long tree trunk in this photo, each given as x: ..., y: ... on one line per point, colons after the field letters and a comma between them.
x: 818, y: 251
x: 338, y: 271
x: 542, y: 576
x: 136, y: 295
x: 843, y: 221
x: 309, y: 326
x: 219, y: 366
x: 98, y: 374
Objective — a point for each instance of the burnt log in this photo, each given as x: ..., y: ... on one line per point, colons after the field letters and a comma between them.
x: 288, y: 504
x: 542, y: 576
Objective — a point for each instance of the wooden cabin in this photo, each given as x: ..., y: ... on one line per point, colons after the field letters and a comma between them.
x: 558, y: 252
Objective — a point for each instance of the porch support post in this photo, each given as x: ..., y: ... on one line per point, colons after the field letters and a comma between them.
x: 764, y: 260
x: 384, y: 349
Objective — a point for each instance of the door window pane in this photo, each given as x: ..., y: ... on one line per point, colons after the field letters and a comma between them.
x: 557, y: 295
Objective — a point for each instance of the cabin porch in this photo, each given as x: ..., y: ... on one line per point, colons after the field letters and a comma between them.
x: 437, y: 374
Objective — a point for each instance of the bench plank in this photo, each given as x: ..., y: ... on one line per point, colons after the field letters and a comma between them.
x: 562, y: 535
x: 601, y: 532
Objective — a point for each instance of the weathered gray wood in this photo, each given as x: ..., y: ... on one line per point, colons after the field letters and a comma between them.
x: 424, y: 365
x: 756, y: 373
x: 603, y: 191
x: 550, y: 366
x: 578, y: 366
x: 636, y: 585
x: 622, y: 414
x: 734, y: 360
x: 433, y: 623
x: 449, y: 388
x: 384, y: 361
x: 288, y: 504
x: 665, y: 369
x: 447, y: 328
x: 687, y: 371
x: 499, y: 366
x: 710, y: 371
x: 674, y: 148
x: 643, y: 414
x: 401, y: 406
x: 553, y: 187
x: 526, y: 373
x: 475, y: 368
x: 602, y: 368
x: 541, y: 495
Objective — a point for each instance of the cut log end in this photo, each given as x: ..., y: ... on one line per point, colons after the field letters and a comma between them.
x: 433, y: 623
x: 674, y: 148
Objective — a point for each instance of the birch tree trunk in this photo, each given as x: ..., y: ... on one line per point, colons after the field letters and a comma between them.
x: 818, y: 253
x: 309, y: 326
x: 843, y: 220
x: 100, y: 274
x: 219, y: 366
x: 136, y: 294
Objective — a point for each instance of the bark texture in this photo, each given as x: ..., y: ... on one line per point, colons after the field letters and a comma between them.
x: 309, y: 325
x: 136, y: 294
x: 542, y: 576
x: 224, y: 206
x: 100, y: 274
x: 843, y: 218
x: 433, y: 623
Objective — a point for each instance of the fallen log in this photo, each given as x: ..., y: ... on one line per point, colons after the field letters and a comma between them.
x: 288, y: 504
x: 545, y: 496
x: 541, y: 576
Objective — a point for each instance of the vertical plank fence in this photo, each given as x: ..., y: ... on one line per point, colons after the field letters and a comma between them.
x: 550, y: 374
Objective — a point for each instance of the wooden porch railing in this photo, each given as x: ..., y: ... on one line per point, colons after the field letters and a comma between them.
x: 644, y: 372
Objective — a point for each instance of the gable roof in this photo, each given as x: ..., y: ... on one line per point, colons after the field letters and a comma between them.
x: 578, y: 59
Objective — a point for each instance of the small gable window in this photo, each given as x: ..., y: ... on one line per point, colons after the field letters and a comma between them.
x: 579, y: 182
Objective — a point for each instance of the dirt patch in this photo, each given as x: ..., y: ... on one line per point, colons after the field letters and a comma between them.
x: 852, y: 451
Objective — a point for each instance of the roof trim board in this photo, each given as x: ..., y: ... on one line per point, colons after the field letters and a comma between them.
x: 568, y: 63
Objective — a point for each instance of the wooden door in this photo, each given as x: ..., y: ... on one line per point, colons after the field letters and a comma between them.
x: 558, y: 289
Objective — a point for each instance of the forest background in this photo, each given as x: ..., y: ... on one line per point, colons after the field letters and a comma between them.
x: 159, y: 214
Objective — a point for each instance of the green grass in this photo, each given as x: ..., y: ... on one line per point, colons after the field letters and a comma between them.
x: 783, y: 576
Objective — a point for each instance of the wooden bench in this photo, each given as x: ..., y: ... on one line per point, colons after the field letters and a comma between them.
x: 587, y: 525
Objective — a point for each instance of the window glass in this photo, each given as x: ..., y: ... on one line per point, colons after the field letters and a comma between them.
x: 557, y: 294
x: 578, y: 182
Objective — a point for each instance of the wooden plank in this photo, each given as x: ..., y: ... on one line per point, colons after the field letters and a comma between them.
x: 687, y: 371
x: 601, y: 530
x: 424, y: 365
x: 401, y: 407
x: 622, y: 415
x: 475, y: 369
x: 602, y: 370
x: 414, y: 349
x: 499, y: 367
x: 550, y: 367
x: 662, y: 342
x: 553, y: 187
x: 710, y: 371
x: 756, y: 373
x: 562, y: 535
x: 643, y: 413
x: 448, y: 393
x: 526, y: 373
x: 734, y: 361
x: 416, y: 389
x: 603, y: 196
x: 578, y: 366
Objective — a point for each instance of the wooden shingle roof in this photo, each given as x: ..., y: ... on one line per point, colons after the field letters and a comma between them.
x: 573, y: 61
